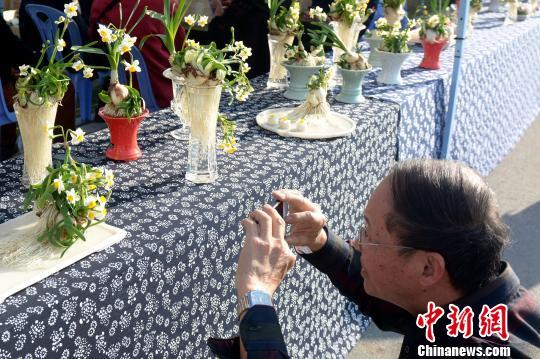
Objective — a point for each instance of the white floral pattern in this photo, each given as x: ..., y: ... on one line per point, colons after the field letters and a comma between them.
x: 169, y: 284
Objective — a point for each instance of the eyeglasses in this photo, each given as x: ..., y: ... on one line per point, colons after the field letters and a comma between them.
x: 360, y: 241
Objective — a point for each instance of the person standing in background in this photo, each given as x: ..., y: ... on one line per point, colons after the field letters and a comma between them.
x: 250, y: 21
x: 17, y: 55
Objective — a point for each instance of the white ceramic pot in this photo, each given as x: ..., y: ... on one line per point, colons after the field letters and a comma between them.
x: 391, y: 67
x: 351, y: 90
x: 374, y: 43
x: 299, y: 78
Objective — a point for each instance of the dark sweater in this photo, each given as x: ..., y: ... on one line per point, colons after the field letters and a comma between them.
x: 341, y: 263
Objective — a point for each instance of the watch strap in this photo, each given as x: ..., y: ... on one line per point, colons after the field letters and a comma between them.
x: 251, y: 299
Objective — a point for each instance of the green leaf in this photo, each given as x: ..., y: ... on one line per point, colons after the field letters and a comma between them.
x: 155, y: 15
x: 104, y: 96
x: 89, y: 50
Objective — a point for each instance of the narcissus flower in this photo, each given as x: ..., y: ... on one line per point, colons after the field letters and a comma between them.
x: 77, y: 65
x: 203, y: 20
x: 127, y: 43
x: 23, y: 70
x: 58, y: 184
x: 60, y: 45
x: 190, y: 20
x: 72, y: 196
x: 105, y: 33
x: 90, y: 202
x: 133, y: 67
x: 71, y: 9
x: 88, y: 72
x: 77, y: 136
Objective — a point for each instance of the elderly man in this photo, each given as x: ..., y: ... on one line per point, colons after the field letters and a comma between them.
x: 431, y: 237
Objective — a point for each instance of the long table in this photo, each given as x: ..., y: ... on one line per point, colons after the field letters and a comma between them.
x: 169, y: 285
x: 496, y: 101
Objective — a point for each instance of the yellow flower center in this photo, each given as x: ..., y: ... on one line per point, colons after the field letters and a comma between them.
x: 92, y: 204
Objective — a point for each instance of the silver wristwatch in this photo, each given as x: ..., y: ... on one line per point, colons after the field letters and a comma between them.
x: 251, y: 299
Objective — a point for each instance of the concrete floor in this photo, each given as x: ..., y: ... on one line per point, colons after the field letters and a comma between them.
x: 516, y: 182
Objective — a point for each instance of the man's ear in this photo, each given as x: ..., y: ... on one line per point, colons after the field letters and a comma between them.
x: 434, y: 269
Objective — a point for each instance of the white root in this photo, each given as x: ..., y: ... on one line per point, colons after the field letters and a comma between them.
x: 200, y: 104
x: 314, y: 106
x: 21, y: 250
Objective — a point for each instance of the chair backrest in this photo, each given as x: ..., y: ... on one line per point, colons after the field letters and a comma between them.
x: 6, y: 116
x: 44, y: 18
x: 145, y: 87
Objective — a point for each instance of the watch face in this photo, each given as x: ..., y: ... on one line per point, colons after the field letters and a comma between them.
x: 258, y: 297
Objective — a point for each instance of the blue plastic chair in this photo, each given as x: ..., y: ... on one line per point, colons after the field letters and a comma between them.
x: 44, y: 18
x: 6, y: 116
x: 143, y: 80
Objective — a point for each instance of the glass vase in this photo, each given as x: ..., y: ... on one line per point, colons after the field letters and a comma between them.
x: 201, y: 106
x: 182, y: 133
x: 347, y: 34
x: 34, y: 123
x: 393, y: 15
x: 277, y: 77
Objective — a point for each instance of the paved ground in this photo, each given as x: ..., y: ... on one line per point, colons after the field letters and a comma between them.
x: 516, y: 181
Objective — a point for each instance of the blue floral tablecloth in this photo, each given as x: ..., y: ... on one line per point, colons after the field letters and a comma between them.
x: 497, y: 99
x: 169, y: 285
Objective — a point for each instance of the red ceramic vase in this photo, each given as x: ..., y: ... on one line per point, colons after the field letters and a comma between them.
x: 124, y: 146
x: 432, y: 52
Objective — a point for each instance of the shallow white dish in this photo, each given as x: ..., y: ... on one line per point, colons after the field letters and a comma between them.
x: 13, y: 280
x: 341, y: 125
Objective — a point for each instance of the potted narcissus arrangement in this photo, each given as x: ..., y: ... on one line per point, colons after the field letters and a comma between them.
x: 351, y: 63
x: 40, y: 90
x: 124, y: 108
x: 313, y: 110
x: 171, y: 18
x: 207, y: 71
x: 283, y: 25
x: 347, y: 18
x: 393, y: 51
x: 393, y: 11
x: 434, y: 33
x: 70, y: 199
x: 475, y: 7
x: 302, y: 64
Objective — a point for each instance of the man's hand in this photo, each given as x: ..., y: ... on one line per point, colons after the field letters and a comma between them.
x: 306, y: 220
x: 265, y: 258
